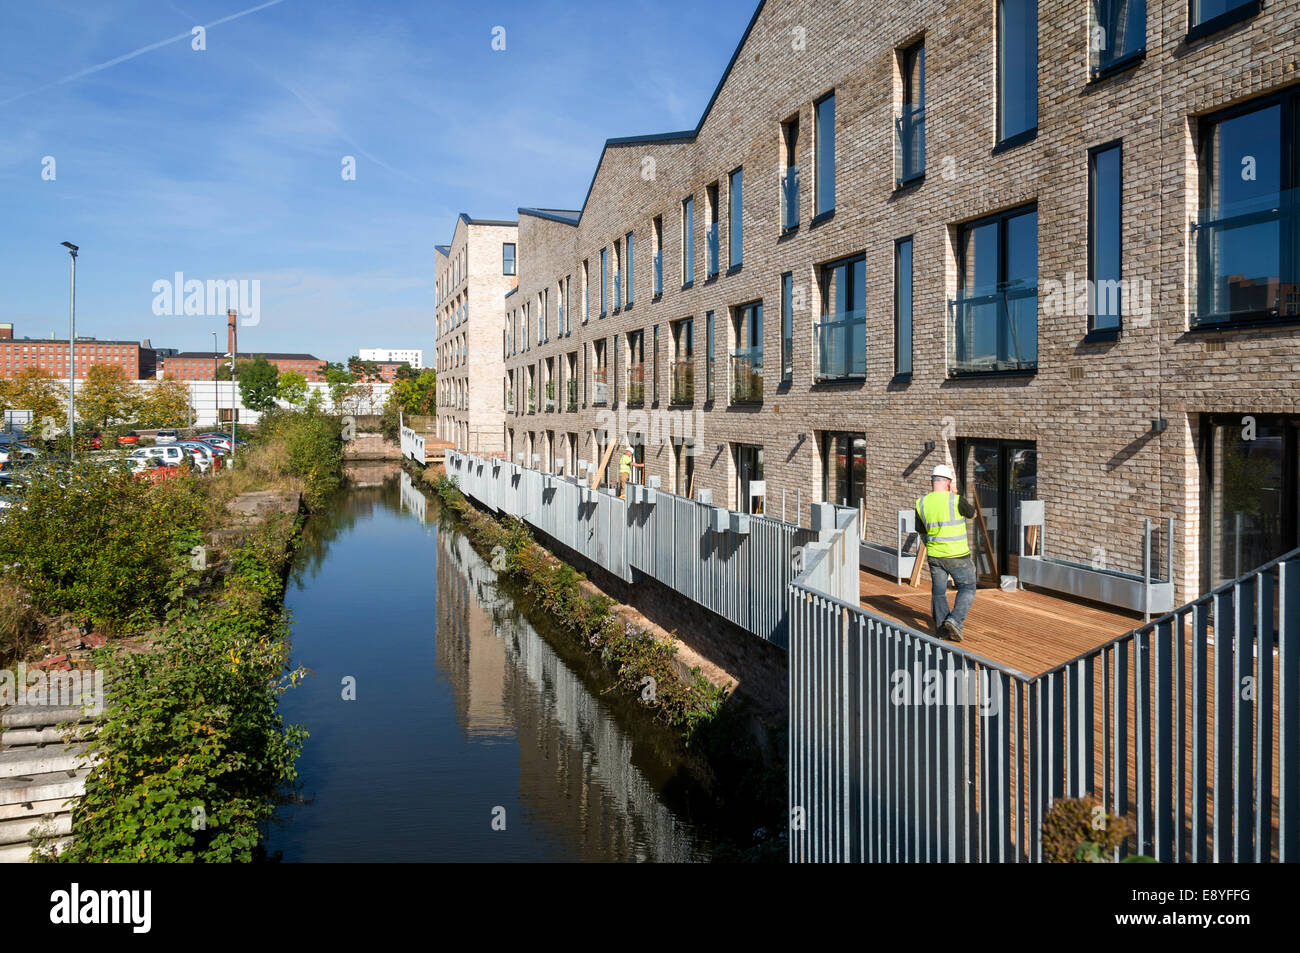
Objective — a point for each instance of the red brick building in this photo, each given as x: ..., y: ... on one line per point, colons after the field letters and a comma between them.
x: 134, y: 357
x: 200, y: 365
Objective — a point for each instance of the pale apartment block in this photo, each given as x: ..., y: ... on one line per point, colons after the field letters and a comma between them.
x: 1182, y: 402
x: 472, y: 275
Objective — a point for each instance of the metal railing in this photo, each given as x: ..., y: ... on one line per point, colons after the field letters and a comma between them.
x: 790, y: 198
x: 1265, y: 223
x: 636, y: 385
x: 909, y: 144
x: 683, y: 382
x: 711, y: 246
x: 840, y: 344
x: 994, y: 332
x: 905, y: 748
x: 747, y: 376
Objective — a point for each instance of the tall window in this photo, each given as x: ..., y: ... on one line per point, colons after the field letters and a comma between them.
x: 508, y: 258
x: 903, y: 307
x: 747, y: 360
x: 995, y: 314
x: 1104, y: 227
x: 787, y: 327
x: 790, y: 178
x: 1118, y: 35
x: 825, y: 146
x: 627, y: 267
x: 688, y: 241
x: 655, y: 368
x: 845, y: 469
x: 708, y: 356
x: 1247, y: 231
x: 909, y: 161
x: 604, y: 271
x: 1017, y: 68
x: 586, y: 290
x: 735, y: 228
x: 841, y: 335
x: 659, y: 256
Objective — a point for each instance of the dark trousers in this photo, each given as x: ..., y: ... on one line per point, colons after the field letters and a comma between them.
x: 962, y: 571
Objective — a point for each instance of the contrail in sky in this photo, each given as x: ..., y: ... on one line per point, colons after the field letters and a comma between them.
x: 188, y: 34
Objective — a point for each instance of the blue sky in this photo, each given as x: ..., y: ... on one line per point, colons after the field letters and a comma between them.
x: 225, y: 163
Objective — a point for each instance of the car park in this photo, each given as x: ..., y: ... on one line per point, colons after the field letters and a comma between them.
x: 208, y: 452
x: 171, y: 456
x: 130, y: 438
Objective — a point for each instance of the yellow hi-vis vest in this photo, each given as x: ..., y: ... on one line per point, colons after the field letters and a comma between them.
x: 944, y: 530
x: 625, y: 465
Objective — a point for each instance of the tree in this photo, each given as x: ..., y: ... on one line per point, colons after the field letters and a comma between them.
x: 405, y: 372
x: 107, y: 395
x: 258, y: 384
x: 339, y: 380
x: 355, y: 399
x: 364, y: 370
x: 292, y: 388
x: 35, y: 389
x: 166, y: 405
x: 223, y: 369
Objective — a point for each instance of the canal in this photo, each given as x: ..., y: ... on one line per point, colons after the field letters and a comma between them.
x: 445, y: 725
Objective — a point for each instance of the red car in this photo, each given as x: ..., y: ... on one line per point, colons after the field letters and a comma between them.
x: 95, y: 440
x: 128, y: 438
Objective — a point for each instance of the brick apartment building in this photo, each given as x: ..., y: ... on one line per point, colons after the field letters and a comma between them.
x: 472, y: 274
x: 136, y: 358
x: 200, y: 365
x: 872, y: 255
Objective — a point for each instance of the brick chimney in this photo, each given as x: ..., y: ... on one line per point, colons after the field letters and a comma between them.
x: 231, y: 337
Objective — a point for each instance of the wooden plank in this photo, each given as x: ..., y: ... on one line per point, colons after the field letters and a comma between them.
x: 600, y: 471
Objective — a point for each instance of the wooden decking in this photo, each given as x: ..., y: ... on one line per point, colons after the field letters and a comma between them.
x: 1029, y: 631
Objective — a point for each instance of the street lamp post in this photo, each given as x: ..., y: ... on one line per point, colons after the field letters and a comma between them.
x: 216, y: 399
x: 72, y: 355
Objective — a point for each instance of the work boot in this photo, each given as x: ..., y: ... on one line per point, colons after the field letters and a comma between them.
x: 951, y: 631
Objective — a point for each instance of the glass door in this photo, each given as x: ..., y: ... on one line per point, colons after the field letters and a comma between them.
x: 1004, y: 472
x: 1250, y: 493
x: 749, y: 467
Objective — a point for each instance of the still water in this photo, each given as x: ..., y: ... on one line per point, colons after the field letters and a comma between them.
x: 470, y: 736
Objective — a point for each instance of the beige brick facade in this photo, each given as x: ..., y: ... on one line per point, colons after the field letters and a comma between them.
x: 471, y: 282
x: 1088, y: 408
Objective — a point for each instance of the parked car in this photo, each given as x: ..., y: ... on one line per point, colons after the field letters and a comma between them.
x: 166, y: 436
x: 14, y: 453
x: 170, y: 456
x: 94, y: 440
x: 209, y: 453
x: 130, y: 438
x: 222, y: 442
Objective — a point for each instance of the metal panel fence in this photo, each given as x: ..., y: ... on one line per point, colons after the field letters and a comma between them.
x: 905, y: 748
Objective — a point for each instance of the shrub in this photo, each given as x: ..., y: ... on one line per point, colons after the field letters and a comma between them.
x: 100, y: 543
x: 192, y: 750
x: 1077, y: 830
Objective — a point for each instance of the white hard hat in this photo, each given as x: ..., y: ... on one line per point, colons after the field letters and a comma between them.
x: 942, y: 472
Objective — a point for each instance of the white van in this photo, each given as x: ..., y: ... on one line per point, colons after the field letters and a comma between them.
x: 170, y: 456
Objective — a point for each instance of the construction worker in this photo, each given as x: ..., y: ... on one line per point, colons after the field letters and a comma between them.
x: 941, y: 520
x: 625, y: 464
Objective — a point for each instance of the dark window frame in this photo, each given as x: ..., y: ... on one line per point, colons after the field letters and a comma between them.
x: 822, y: 214
x: 1001, y: 218
x: 1004, y: 141
x: 1198, y: 31
x: 1107, y: 333
x: 787, y: 328
x: 899, y: 372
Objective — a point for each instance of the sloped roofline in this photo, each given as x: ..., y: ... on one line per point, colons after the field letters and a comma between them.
x: 561, y: 215
x: 685, y: 135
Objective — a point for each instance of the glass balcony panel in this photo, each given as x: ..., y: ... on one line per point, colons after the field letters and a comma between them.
x: 840, y: 344
x: 683, y: 382
x: 995, y: 332
x: 1244, y: 259
x: 636, y: 385
x: 747, y: 376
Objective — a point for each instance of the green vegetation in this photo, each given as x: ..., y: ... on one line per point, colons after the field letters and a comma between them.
x: 258, y: 382
x: 412, y: 393
x: 192, y: 749
x: 1080, y: 831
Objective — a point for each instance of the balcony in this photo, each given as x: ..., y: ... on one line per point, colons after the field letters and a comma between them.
x: 840, y: 344
x: 909, y: 144
x: 600, y: 386
x: 618, y: 290
x: 790, y: 199
x: 571, y: 385
x: 747, y: 376
x: 636, y: 385
x: 994, y: 333
x: 549, y: 404
x: 711, y: 246
x: 683, y: 382
x: 659, y: 272
x: 1241, y: 270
